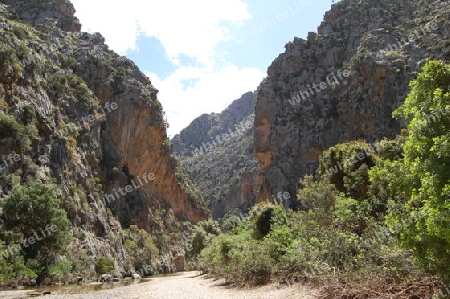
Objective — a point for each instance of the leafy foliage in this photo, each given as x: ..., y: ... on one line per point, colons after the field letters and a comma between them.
x: 420, y: 183
x: 82, y: 92
x: 34, y: 210
x: 61, y: 269
x: 140, y: 247
x: 339, y: 236
x: 12, y: 266
x: 28, y: 115
x: 202, y: 235
x: 104, y: 265
x: 8, y: 126
x: 7, y: 57
x: 265, y: 217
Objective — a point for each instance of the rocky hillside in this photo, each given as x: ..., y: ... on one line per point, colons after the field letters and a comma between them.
x: 77, y: 114
x: 342, y: 83
x: 217, y: 151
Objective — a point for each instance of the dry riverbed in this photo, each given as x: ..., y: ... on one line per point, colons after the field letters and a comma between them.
x: 185, y: 285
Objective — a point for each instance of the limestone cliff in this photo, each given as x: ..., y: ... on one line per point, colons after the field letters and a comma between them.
x: 217, y: 151
x: 98, y: 131
x: 342, y: 83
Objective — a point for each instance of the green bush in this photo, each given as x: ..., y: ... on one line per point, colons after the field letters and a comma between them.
x: 82, y: 92
x: 35, y: 209
x: 58, y: 83
x: 345, y: 166
x: 7, y: 56
x: 61, y: 269
x: 12, y: 266
x: 202, y: 235
x: 9, y: 127
x: 20, y: 31
x: 28, y: 114
x: 104, y: 265
x: 140, y: 247
x: 240, y: 256
x: 265, y: 217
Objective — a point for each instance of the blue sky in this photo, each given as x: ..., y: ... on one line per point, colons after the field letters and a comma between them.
x: 200, y: 54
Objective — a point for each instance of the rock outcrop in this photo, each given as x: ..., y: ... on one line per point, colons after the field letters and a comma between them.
x: 44, y: 14
x: 342, y: 83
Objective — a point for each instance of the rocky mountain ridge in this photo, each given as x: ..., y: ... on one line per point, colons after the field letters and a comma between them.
x: 342, y: 83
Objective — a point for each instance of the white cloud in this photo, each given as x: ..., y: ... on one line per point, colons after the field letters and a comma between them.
x: 214, y: 91
x: 192, y: 28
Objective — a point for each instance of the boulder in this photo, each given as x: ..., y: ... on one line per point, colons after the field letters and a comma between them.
x: 106, y: 278
x: 136, y: 276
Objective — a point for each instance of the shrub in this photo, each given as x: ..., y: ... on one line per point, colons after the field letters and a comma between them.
x: 61, y: 269
x: 28, y: 114
x: 58, y: 83
x: 9, y: 127
x: 202, y: 235
x: 104, y: 265
x: 265, y: 216
x: 20, y: 31
x: 82, y: 92
x: 140, y: 247
x: 35, y: 208
x: 12, y: 267
x: 7, y: 57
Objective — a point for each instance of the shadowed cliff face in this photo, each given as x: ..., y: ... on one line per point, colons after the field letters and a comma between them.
x: 217, y: 151
x: 342, y: 84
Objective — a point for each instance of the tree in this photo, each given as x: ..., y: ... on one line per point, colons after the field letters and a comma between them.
x: 202, y: 235
x: 140, y: 247
x: 424, y: 173
x: 32, y: 213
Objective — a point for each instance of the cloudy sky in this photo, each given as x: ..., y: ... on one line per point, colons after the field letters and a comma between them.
x: 200, y: 54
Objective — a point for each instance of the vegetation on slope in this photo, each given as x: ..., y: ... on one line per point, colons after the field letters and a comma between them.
x: 375, y: 223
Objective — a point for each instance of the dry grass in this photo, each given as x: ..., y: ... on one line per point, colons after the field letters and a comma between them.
x: 381, y: 288
x: 350, y: 287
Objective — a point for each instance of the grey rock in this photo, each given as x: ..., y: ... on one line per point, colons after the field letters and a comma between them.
x: 136, y: 276
x: 106, y: 278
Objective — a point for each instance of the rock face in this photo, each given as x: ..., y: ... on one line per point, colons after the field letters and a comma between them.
x: 136, y: 140
x: 44, y: 13
x: 342, y: 83
x: 100, y: 134
x: 217, y: 151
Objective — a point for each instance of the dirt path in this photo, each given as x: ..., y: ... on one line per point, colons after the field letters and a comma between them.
x: 189, y: 285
